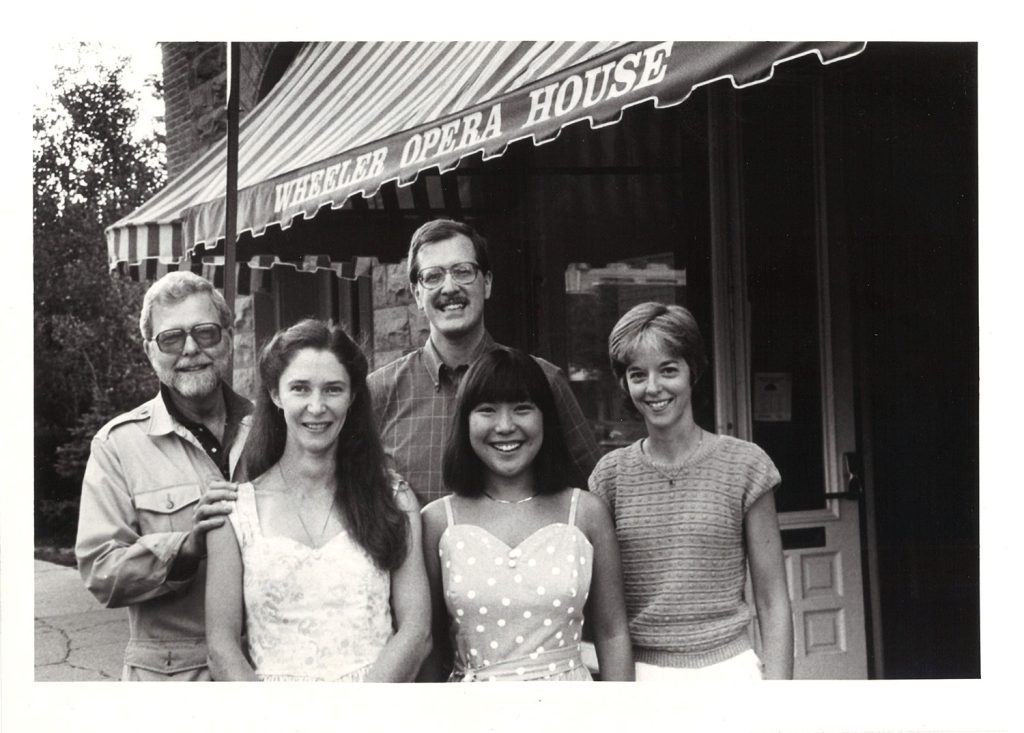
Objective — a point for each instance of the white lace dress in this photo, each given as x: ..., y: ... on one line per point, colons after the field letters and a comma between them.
x: 310, y: 614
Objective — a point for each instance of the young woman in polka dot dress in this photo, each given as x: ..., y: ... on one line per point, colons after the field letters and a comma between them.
x: 513, y: 556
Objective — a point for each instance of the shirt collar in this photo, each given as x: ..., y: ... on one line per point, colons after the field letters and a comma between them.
x: 433, y: 362
x: 166, y: 414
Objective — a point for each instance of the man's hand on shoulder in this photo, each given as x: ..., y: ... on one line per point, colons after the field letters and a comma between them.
x: 211, y: 512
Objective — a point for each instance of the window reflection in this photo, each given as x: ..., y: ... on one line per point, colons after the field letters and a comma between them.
x: 596, y: 297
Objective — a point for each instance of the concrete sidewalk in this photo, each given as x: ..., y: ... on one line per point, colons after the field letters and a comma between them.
x: 75, y: 637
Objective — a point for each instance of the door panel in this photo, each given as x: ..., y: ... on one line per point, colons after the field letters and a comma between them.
x: 825, y: 588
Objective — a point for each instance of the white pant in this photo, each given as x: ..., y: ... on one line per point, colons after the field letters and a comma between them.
x: 744, y: 666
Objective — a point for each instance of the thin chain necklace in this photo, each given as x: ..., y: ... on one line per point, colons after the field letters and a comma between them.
x: 510, y: 501
x: 671, y: 477
x: 318, y: 541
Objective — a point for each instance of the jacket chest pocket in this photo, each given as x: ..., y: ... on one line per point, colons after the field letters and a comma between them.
x: 167, y: 509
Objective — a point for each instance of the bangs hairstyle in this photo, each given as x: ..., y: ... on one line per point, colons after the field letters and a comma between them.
x: 504, y: 375
x: 671, y: 329
x: 364, y: 496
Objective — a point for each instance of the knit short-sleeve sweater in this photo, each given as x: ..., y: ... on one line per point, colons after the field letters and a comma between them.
x: 682, y: 547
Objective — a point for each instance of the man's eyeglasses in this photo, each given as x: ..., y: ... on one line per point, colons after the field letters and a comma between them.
x: 173, y: 341
x: 463, y: 273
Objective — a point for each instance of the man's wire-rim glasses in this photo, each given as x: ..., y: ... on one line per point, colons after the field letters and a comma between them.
x: 463, y: 273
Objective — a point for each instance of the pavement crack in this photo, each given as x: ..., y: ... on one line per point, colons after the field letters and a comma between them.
x: 63, y: 636
x: 93, y: 670
x: 101, y: 623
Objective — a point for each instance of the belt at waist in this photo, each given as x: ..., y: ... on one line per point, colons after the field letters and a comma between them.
x: 530, y: 667
x: 166, y: 655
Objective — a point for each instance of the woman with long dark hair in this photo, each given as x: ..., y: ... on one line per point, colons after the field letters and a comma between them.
x: 515, y: 554
x: 321, y: 557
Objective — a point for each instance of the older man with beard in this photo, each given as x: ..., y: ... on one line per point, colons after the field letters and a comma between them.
x: 157, y: 481
x: 414, y: 396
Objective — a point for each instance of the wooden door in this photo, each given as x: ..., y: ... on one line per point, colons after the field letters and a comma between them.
x: 781, y: 355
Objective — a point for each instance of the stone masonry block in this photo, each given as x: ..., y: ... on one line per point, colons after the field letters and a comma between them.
x: 391, y: 329
x: 419, y: 327
x: 399, y: 288
x: 245, y: 333
x: 378, y: 285
x: 380, y: 358
x: 210, y: 62
x: 390, y: 286
x: 200, y: 98
x: 246, y: 382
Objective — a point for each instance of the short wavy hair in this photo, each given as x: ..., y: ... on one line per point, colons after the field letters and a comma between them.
x: 173, y: 288
x: 439, y: 230
x: 504, y: 375
x: 668, y: 328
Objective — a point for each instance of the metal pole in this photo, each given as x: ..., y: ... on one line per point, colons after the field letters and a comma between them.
x: 231, y: 198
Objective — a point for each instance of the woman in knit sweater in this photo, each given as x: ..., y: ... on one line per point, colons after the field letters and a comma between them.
x: 691, y: 510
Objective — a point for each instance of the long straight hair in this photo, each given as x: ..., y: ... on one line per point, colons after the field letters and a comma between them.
x: 363, y: 494
x: 504, y: 375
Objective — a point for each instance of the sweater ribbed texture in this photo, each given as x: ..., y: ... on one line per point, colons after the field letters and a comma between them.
x: 682, y: 547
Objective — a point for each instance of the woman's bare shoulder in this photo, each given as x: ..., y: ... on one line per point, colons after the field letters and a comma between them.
x: 592, y: 511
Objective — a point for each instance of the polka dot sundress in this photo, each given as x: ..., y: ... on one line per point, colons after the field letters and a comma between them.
x: 516, y: 612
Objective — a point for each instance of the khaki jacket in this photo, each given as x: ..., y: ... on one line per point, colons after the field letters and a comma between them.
x: 145, y: 474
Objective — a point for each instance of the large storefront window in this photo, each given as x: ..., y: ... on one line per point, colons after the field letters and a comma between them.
x: 596, y: 297
x: 617, y: 217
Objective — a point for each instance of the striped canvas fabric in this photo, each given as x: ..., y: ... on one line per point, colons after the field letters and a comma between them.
x: 348, y: 117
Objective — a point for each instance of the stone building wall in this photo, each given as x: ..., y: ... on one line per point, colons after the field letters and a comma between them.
x: 195, y: 93
x: 398, y: 325
x: 246, y: 378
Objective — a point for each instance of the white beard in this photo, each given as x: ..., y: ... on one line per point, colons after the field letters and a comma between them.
x: 201, y: 384
x: 193, y: 385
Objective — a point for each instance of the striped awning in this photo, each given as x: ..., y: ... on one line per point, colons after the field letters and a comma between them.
x: 349, y: 117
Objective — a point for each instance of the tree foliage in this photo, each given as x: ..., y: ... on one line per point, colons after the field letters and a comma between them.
x: 88, y: 170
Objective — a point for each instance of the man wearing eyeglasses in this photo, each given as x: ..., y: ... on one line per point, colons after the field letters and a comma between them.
x: 414, y: 396
x: 157, y: 481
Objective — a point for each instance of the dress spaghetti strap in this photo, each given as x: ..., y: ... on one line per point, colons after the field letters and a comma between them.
x: 245, y: 519
x: 448, y: 510
x: 572, y: 507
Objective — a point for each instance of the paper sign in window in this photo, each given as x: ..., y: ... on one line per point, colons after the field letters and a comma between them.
x: 773, y: 396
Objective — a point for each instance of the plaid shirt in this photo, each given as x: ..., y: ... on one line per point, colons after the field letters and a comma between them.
x: 414, y: 400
